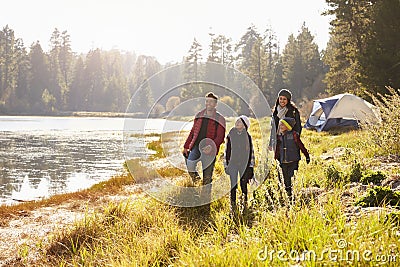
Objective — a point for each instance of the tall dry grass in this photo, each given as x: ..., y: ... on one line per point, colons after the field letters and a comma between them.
x: 386, y: 135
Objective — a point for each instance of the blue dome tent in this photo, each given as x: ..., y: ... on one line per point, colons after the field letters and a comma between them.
x: 343, y: 110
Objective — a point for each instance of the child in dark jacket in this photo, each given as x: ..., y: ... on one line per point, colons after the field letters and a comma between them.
x: 287, y: 151
x: 239, y: 159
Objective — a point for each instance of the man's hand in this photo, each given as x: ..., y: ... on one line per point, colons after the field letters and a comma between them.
x: 308, y: 160
x: 207, y: 149
x: 185, y: 152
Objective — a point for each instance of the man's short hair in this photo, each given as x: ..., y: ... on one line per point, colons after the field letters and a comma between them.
x: 212, y: 95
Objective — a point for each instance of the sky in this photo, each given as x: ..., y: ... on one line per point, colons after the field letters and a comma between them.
x: 164, y: 29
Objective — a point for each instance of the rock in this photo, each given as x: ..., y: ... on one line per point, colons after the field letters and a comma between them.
x: 310, y: 193
x: 336, y: 153
x: 393, y: 182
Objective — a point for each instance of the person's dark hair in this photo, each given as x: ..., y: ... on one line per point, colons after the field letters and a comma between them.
x: 288, y: 95
x: 212, y: 95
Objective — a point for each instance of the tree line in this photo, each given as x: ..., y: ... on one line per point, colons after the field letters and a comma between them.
x: 363, y: 53
x: 361, y: 57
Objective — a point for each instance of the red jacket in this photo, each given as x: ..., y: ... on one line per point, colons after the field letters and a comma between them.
x: 215, y: 129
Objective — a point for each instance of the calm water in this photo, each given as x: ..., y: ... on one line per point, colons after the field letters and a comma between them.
x: 42, y: 156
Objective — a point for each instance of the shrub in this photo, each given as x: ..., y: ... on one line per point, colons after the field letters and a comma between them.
x: 157, y: 146
x: 379, y: 196
x: 386, y: 135
x: 375, y: 177
x: 356, y: 172
x: 334, y: 176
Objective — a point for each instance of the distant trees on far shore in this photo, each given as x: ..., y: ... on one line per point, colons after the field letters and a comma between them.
x: 362, y: 57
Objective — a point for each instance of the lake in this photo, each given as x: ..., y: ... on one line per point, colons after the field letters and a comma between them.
x: 43, y: 156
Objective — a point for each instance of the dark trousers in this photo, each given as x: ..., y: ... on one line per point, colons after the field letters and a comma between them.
x: 234, y: 171
x: 288, y: 172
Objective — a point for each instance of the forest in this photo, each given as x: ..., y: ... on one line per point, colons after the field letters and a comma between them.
x: 361, y: 57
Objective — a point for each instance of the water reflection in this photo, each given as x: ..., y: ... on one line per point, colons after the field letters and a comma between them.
x: 41, y: 156
x: 27, y: 192
x: 61, y: 161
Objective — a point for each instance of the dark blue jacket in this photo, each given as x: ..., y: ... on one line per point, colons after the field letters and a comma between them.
x: 288, y: 147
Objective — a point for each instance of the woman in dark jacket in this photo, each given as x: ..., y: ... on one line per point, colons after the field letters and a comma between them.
x: 284, y: 107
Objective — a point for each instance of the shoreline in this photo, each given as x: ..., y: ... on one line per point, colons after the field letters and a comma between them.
x: 27, y: 223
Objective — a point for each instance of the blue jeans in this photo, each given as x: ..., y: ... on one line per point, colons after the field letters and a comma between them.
x: 207, y: 162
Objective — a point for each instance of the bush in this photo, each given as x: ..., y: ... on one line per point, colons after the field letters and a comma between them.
x: 356, y: 172
x: 334, y: 176
x: 379, y: 196
x: 386, y: 135
x: 375, y: 177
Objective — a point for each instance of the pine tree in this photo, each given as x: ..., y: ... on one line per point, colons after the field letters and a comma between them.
x: 380, y: 61
x: 116, y: 91
x: 192, y: 72
x: 270, y: 82
x: 21, y: 101
x: 8, y: 65
x: 66, y: 61
x: 39, y: 77
x: 221, y: 50
x: 145, y: 67
x: 348, y: 33
x: 244, y: 48
x: 78, y: 93
x: 55, y: 88
x: 258, y: 60
x: 302, y: 65
x: 311, y: 63
x: 95, y: 80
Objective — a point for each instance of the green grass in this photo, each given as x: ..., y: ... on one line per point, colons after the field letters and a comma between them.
x: 156, y: 146
x: 318, y: 231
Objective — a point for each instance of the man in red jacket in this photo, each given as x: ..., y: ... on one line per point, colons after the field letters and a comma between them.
x: 203, y: 142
